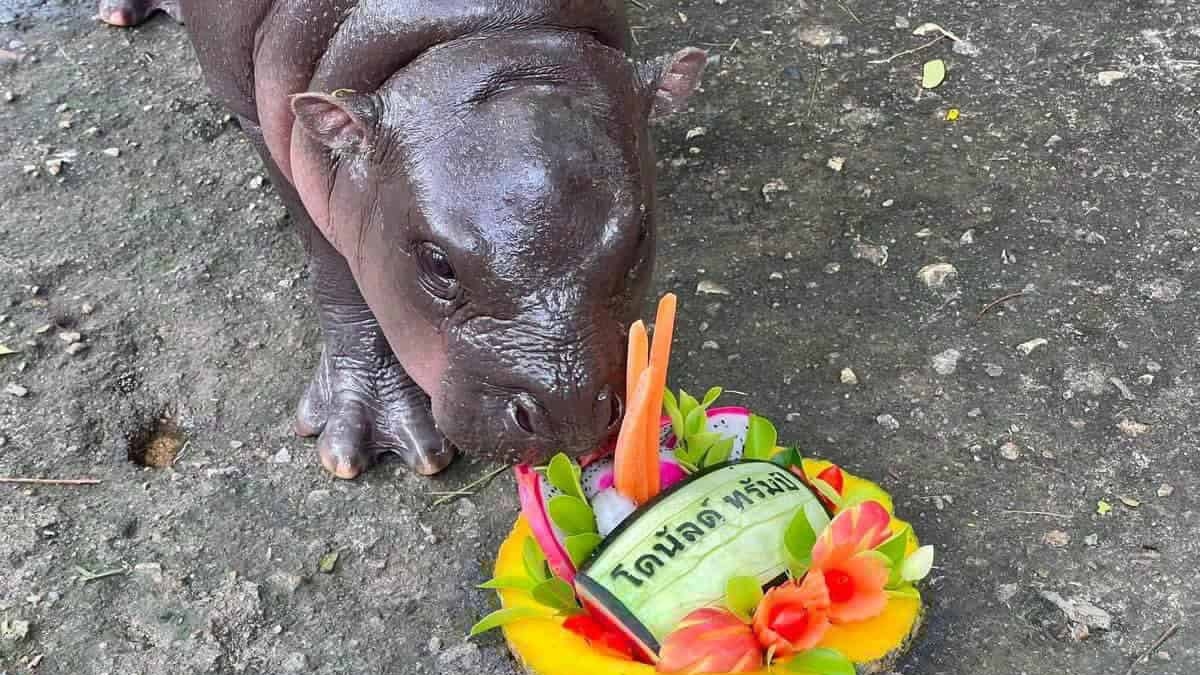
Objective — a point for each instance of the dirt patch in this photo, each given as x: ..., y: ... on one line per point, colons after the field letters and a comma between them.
x: 158, y: 444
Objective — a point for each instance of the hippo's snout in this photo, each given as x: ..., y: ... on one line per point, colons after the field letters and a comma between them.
x: 575, y: 424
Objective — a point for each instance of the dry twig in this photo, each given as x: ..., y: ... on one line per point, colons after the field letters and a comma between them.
x: 997, y: 302
x: 1162, y: 639
x: 51, y: 481
x: 467, y: 491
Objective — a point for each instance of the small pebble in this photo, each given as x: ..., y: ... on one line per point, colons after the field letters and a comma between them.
x: 70, y: 337
x: 112, y: 152
x: 1092, y: 540
x: 711, y: 345
x: 1132, y: 428
x: 1010, y: 451
x: 75, y: 348
x: 937, y: 275
x: 1166, y: 490
x: 16, y: 390
x: 1027, y: 348
x: 1056, y: 539
x: 833, y: 268
x: 901, y: 22
x: 706, y: 287
x: 282, y: 457
x: 967, y: 238
x: 1107, y: 77
x: 836, y: 163
x: 849, y: 376
x: 946, y: 362
x: 87, y: 308
x: 10, y: 96
x: 993, y: 370
x: 887, y: 422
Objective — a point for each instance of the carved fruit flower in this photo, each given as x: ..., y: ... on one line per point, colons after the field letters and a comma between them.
x: 793, y: 617
x: 854, y: 575
x: 711, y: 640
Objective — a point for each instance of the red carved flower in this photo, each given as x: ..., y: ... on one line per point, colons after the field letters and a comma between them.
x: 854, y: 577
x: 793, y: 617
x: 598, y: 635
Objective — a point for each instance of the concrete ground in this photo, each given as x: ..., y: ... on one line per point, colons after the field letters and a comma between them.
x: 1048, y: 446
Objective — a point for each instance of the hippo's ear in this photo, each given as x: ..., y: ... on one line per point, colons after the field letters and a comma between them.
x: 673, y: 80
x: 339, y: 122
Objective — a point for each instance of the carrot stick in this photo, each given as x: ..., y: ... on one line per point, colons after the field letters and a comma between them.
x: 627, y: 461
x: 660, y: 358
x: 639, y: 352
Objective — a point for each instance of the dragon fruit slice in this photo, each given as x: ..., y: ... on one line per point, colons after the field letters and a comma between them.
x: 727, y: 421
x: 599, y: 475
x: 535, y: 494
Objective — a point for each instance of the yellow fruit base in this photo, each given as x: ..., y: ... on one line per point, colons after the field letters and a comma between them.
x: 544, y: 647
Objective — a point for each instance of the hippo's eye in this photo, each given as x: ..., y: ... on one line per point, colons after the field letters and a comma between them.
x: 437, y: 274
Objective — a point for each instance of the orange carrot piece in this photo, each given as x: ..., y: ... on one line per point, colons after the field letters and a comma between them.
x: 660, y: 358
x: 639, y: 352
x: 628, y: 462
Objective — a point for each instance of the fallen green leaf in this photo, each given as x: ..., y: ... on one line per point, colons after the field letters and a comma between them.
x: 5, y: 350
x: 328, y: 562
x: 1130, y: 502
x: 1103, y: 507
x: 934, y: 73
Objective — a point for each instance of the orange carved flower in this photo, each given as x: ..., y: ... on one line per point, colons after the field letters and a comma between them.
x: 793, y: 617
x: 855, y: 578
x: 710, y: 640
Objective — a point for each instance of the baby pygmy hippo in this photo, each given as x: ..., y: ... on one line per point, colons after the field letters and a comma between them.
x: 473, y: 181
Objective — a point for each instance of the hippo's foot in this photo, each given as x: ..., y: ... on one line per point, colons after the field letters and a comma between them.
x: 364, y: 405
x: 127, y: 13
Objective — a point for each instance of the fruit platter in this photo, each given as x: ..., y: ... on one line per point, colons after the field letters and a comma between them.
x: 699, y: 544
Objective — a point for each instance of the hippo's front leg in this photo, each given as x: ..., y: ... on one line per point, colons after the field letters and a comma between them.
x: 361, y: 403
x: 133, y: 12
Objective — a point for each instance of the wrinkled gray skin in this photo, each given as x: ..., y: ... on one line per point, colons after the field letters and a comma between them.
x: 473, y: 181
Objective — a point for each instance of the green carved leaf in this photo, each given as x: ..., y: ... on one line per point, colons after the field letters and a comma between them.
x: 507, y: 583
x: 557, y: 595
x: 711, y: 397
x: 918, y: 565
x: 821, y: 662
x: 687, y: 404
x: 799, y: 539
x: 760, y: 438
x: 580, y: 546
x: 742, y: 595
x: 563, y: 474
x: 572, y: 515
x: 719, y: 452
x: 895, y: 548
x: 535, y: 560
x: 694, y: 422
x: 504, y: 617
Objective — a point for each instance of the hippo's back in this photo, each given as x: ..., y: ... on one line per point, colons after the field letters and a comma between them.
x: 249, y: 49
